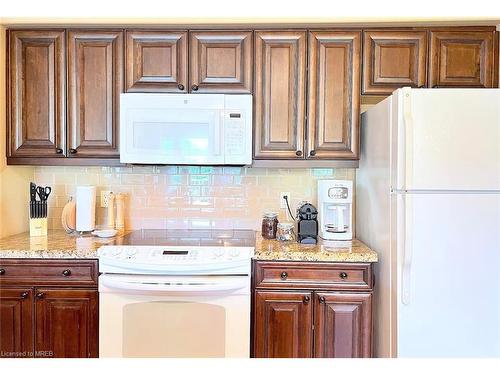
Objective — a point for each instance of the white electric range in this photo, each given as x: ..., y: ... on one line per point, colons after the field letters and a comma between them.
x: 176, y: 294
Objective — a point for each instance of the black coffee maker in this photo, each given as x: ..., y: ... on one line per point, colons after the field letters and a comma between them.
x: 307, y: 231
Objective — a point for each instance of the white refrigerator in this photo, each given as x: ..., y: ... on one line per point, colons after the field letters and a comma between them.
x: 428, y: 201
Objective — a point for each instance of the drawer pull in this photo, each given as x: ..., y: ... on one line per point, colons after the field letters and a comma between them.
x: 343, y: 275
x: 180, y: 86
x: 2, y: 271
x: 306, y: 299
x: 40, y: 295
x: 66, y: 273
x: 24, y: 295
x: 284, y: 275
x: 321, y: 299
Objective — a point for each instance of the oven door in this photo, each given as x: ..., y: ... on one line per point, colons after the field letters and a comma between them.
x: 174, y: 316
x: 171, y: 129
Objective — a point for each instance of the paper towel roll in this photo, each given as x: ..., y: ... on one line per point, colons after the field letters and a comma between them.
x: 85, y: 208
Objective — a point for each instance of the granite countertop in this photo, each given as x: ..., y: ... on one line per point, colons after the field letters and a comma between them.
x: 60, y: 245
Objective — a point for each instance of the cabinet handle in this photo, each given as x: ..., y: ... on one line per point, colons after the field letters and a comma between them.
x: 72, y: 151
x: 343, y: 275
x: 24, y: 295
x: 59, y: 150
x: 180, y: 86
x: 306, y: 299
x: 2, y: 271
x: 420, y: 87
x: 312, y: 153
x: 40, y: 295
x: 284, y: 275
x: 298, y: 153
x: 434, y: 86
x: 66, y: 272
x: 321, y: 299
x: 194, y: 87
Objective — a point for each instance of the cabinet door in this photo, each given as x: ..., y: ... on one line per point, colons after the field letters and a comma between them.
x: 282, y: 325
x: 67, y: 322
x: 333, y: 100
x: 393, y: 59
x: 156, y: 61
x: 16, y: 322
x: 279, y: 95
x: 94, y: 87
x: 342, y: 324
x: 36, y: 96
x: 220, y: 61
x: 461, y: 59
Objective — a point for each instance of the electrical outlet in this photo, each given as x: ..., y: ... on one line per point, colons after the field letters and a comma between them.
x: 282, y: 199
x: 105, y: 198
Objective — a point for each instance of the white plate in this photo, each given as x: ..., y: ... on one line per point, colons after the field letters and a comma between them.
x: 105, y: 233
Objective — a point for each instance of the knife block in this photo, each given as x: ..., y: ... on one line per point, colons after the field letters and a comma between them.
x: 38, y: 227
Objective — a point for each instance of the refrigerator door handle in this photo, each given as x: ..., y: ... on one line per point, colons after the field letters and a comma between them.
x: 405, y: 218
x: 406, y: 162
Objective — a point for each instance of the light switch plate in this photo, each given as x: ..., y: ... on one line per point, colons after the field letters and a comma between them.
x: 105, y: 198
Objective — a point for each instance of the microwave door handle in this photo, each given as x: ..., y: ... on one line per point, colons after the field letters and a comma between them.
x: 217, y: 132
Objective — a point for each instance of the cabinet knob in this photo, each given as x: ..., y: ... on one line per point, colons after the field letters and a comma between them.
x: 312, y: 153
x: 420, y: 87
x: 284, y: 275
x: 180, y: 86
x: 24, y: 295
x: 194, y: 87
x: 435, y: 86
x: 40, y: 295
x: 66, y: 272
x: 343, y: 275
x: 59, y: 150
x: 298, y: 153
x: 72, y: 151
x: 321, y: 299
x: 306, y: 299
x: 2, y: 271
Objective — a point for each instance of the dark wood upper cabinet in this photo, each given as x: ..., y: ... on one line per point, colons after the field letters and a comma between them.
x: 95, y: 71
x: 394, y: 59
x: 67, y: 322
x: 36, y: 93
x: 283, y: 325
x: 156, y: 61
x: 462, y: 58
x: 333, y: 94
x: 279, y: 94
x: 220, y: 61
x: 342, y: 324
x: 16, y: 322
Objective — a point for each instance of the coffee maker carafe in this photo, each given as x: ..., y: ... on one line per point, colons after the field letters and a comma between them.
x: 335, y: 209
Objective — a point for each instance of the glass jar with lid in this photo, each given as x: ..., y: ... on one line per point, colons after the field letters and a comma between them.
x: 285, y: 232
x: 269, y: 225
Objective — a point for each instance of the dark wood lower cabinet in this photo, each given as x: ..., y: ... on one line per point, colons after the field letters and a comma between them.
x: 48, y: 315
x: 16, y: 322
x: 342, y: 325
x: 67, y: 323
x: 283, y: 327
x: 299, y: 318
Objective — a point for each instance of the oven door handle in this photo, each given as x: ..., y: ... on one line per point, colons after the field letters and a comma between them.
x: 125, y: 284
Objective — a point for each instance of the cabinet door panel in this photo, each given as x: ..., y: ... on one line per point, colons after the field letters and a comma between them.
x: 279, y: 98
x: 394, y: 59
x: 37, y: 93
x: 221, y: 61
x: 342, y: 324
x: 67, y: 322
x: 333, y: 100
x: 461, y: 59
x: 283, y: 325
x: 156, y: 61
x: 94, y: 87
x: 16, y: 322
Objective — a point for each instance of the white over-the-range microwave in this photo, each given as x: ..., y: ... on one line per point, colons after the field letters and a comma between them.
x: 199, y: 129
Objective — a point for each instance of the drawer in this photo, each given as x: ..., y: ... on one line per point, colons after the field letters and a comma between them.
x: 48, y: 272
x: 313, y: 275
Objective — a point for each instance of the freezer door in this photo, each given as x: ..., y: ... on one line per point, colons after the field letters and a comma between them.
x: 448, y: 276
x: 447, y: 139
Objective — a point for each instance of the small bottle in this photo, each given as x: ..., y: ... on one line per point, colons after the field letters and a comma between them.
x: 120, y: 212
x: 111, y: 211
x: 269, y: 225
